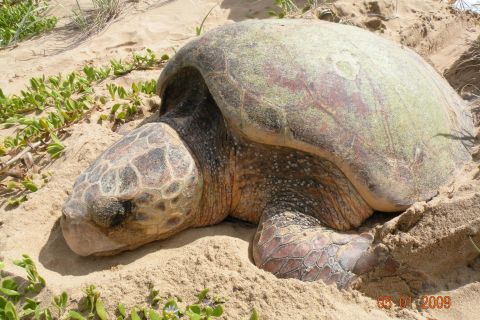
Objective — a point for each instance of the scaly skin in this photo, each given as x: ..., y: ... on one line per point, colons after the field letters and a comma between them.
x: 300, y: 203
x: 290, y: 244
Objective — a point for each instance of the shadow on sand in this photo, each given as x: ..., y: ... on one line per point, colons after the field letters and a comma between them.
x: 56, y: 256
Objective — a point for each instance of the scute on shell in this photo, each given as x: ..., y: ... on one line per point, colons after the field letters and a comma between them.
x: 377, y: 110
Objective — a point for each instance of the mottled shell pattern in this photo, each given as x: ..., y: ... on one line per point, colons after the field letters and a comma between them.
x: 375, y: 109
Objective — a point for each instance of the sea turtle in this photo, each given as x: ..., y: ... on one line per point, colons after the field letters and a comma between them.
x: 302, y: 127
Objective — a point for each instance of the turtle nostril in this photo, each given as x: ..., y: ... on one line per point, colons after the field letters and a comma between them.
x: 66, y: 212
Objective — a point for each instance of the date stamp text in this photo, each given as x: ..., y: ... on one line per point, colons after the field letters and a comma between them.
x: 422, y: 302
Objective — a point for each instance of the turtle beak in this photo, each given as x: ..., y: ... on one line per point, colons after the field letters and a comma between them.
x: 82, y: 236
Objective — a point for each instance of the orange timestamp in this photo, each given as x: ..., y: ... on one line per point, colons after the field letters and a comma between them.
x: 423, y: 302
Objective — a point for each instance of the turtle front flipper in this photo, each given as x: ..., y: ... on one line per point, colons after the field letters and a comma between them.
x: 294, y: 245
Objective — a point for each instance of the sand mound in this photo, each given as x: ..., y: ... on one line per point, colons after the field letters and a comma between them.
x: 429, y: 242
x: 463, y: 75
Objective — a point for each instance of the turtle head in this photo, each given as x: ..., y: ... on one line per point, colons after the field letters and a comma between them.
x: 144, y: 187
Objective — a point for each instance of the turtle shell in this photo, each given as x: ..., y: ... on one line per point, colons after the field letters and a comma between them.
x: 374, y: 108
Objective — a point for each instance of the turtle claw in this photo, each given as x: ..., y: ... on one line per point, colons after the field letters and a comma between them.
x: 303, y: 249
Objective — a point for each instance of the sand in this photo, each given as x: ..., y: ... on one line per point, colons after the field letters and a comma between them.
x: 430, y: 241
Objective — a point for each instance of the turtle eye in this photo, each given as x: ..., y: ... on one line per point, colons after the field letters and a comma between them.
x: 127, y: 207
x: 109, y: 212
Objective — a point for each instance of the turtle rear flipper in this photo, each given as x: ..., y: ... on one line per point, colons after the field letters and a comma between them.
x: 294, y: 245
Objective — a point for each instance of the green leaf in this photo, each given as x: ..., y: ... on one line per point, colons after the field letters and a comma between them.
x: 153, y: 315
x: 153, y: 293
x: 75, y: 315
x: 134, y: 315
x: 10, y: 311
x: 105, y: 72
x: 194, y: 316
x: 121, y: 310
x: 34, y: 84
x: 203, y: 294
x: 9, y: 292
x: 60, y: 301
x: 47, y: 314
x: 131, y: 109
x: 90, y: 72
x: 2, y: 265
x: 9, y: 284
x: 36, y: 281
x: 135, y: 88
x: 3, y: 150
x: 9, y: 288
x: 122, y: 93
x: 102, y: 117
x: 217, y: 311
x: 38, y: 313
x: 92, y: 296
x: 27, y: 312
x: 29, y: 185
x: 3, y: 302
x: 112, y: 89
x: 195, y: 308
x: 41, y: 280
x: 44, y: 124
x: 144, y: 313
x: 200, y: 28
x: 54, y: 81
x: 115, y: 107
x: 16, y: 201
x: 121, y: 115
x: 12, y: 185
x: 208, y: 310
x: 254, y: 315
x: 56, y: 147
x: 30, y: 304
x: 100, y: 309
x: 71, y: 78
